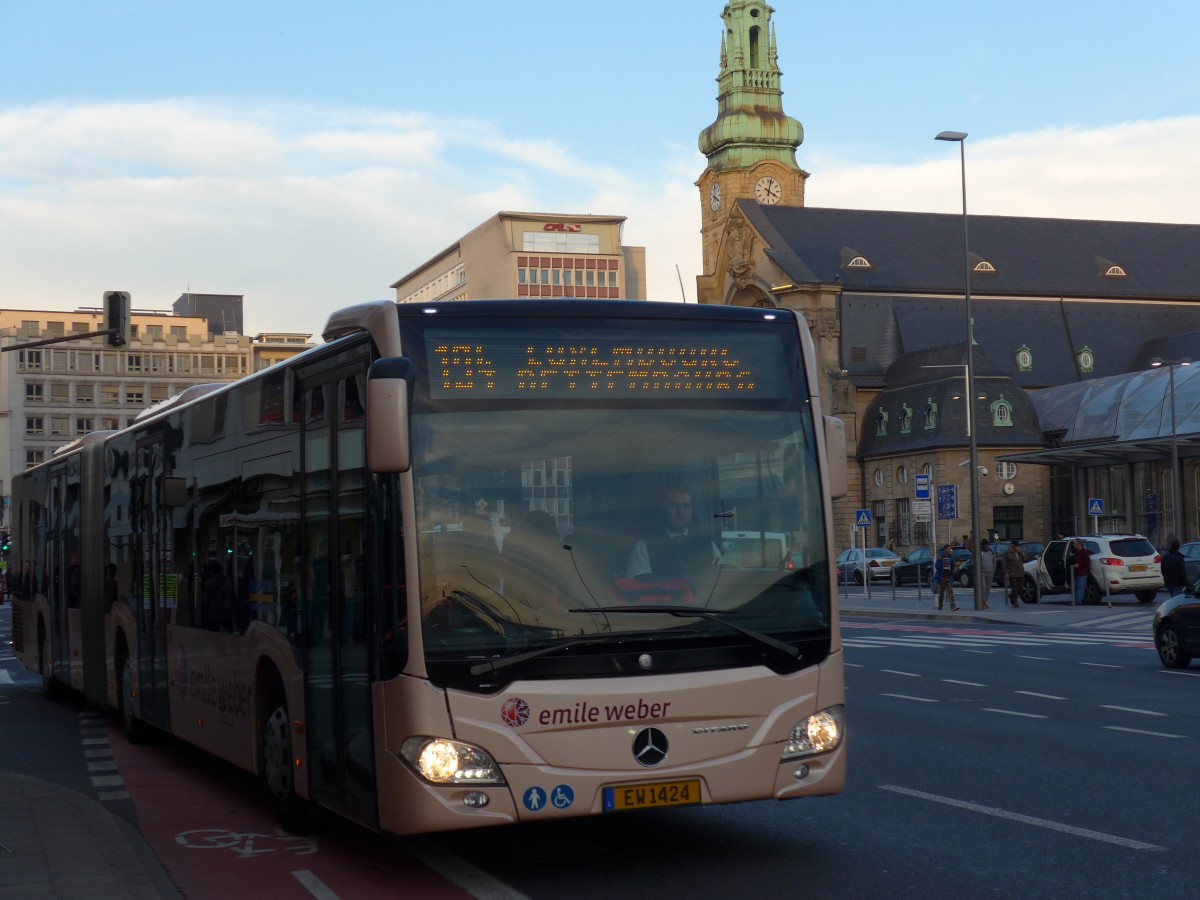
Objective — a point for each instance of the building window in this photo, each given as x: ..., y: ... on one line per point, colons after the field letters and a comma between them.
x: 33, y: 392
x: 84, y: 425
x: 59, y: 426
x: 902, y: 475
x: 110, y: 394
x: 1006, y: 470
x: 34, y: 457
x: 35, y: 426
x: 879, y: 478
x: 31, y: 327
x: 60, y: 394
x: 30, y: 360
x: 85, y: 393
x: 1009, y: 522
x: 134, y: 395
x: 560, y: 242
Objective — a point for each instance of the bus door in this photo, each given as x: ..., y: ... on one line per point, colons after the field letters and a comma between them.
x: 152, y: 532
x: 51, y: 574
x: 337, y: 619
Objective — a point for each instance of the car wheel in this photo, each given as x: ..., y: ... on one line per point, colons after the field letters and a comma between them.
x: 1169, y: 644
x: 964, y: 579
x: 858, y: 578
x: 1029, y: 592
x: 1146, y: 596
x: 1091, y: 593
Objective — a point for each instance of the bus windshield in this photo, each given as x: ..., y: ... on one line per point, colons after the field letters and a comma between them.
x: 578, y: 528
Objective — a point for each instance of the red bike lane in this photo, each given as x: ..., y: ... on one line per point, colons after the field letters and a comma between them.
x: 216, y: 835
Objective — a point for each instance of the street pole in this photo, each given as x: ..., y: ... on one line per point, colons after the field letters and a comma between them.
x: 960, y: 138
x: 1176, y: 481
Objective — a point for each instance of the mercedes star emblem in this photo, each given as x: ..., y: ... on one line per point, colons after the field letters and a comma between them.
x: 649, y: 747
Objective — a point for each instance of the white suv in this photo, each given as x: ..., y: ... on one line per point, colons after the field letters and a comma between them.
x: 1121, y: 564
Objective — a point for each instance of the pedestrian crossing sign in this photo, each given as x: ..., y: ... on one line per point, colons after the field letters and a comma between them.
x: 862, y: 519
x: 1095, y: 507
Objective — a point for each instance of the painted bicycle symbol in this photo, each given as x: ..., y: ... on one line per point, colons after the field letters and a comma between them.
x: 246, y: 844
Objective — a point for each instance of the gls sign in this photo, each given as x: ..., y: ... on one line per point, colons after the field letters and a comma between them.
x: 562, y: 226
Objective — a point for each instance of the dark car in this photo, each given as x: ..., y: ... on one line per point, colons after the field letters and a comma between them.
x: 916, y: 567
x: 919, y: 564
x: 1177, y: 628
x: 966, y: 569
x: 1191, y: 559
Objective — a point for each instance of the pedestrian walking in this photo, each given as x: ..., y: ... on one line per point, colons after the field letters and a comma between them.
x: 1080, y: 561
x: 1174, y: 570
x: 943, y: 577
x: 987, y: 569
x: 1014, y: 571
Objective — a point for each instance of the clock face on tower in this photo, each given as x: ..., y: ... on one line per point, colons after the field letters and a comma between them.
x: 767, y: 190
x: 714, y: 196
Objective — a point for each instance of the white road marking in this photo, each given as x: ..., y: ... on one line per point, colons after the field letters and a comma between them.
x: 966, y: 683
x: 1148, y: 733
x: 1013, y: 712
x: 314, y: 885
x: 1042, y: 696
x: 1130, y: 709
x: 1038, y: 658
x: 909, y: 697
x: 1101, y: 665
x: 1128, y: 843
x: 5, y: 678
x: 898, y: 672
x: 476, y: 882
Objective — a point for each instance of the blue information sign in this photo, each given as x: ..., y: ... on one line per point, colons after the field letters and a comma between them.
x: 947, y: 501
x: 1095, y: 506
x: 921, y: 487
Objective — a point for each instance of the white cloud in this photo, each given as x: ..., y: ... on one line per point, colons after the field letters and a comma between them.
x: 307, y: 209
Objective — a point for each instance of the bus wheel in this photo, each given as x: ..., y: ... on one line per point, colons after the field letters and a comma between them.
x: 134, y: 728
x: 278, y: 773
x: 49, y: 685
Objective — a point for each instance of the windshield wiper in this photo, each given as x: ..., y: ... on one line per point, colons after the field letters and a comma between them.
x: 684, y: 613
x: 495, y: 665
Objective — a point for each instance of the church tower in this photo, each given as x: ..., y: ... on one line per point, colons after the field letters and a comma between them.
x: 751, y: 147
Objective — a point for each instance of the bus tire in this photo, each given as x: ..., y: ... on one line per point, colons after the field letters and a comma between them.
x: 49, y: 685
x: 276, y: 768
x: 136, y: 731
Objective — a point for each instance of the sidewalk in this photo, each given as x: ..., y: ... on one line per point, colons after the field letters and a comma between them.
x: 59, y: 843
x: 1054, y: 611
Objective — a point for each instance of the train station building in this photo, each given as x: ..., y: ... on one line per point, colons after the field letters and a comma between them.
x: 1082, y: 333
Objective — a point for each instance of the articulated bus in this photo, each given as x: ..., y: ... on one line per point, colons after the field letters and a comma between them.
x: 403, y: 576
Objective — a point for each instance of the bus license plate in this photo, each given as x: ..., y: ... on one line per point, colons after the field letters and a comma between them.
x: 645, y: 796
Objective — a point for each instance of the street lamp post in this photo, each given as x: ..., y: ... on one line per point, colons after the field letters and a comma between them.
x: 1176, y: 487
x: 960, y: 138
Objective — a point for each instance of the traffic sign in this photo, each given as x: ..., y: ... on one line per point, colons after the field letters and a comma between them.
x: 862, y: 518
x: 1095, y: 506
x: 947, y: 501
x: 922, y: 511
x: 921, y: 487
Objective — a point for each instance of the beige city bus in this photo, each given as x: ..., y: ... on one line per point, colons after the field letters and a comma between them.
x: 461, y: 565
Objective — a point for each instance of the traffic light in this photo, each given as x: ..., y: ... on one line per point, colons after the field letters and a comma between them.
x: 116, y: 317
x: 4, y: 542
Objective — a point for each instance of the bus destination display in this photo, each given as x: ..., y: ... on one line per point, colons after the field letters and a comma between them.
x: 540, y: 363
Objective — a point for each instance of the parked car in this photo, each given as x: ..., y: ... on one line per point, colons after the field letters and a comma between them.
x: 914, y: 567
x: 1191, y: 559
x: 966, y: 570
x: 1121, y: 564
x: 920, y: 562
x: 1177, y: 628
x: 852, y: 564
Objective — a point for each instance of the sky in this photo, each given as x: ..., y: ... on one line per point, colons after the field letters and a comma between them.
x: 309, y: 154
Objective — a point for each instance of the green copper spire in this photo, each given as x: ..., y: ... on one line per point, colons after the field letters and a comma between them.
x: 751, y: 126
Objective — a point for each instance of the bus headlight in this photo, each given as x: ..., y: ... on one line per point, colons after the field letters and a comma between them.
x: 818, y: 733
x: 449, y: 762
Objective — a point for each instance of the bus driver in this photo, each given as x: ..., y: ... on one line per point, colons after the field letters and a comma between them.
x: 677, y: 547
